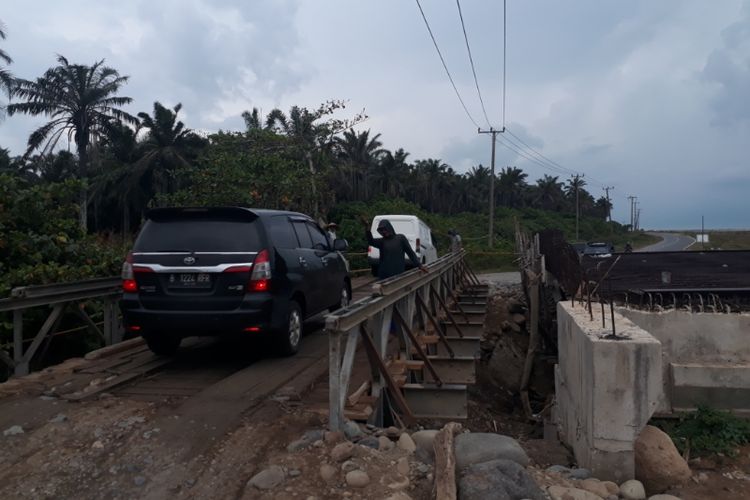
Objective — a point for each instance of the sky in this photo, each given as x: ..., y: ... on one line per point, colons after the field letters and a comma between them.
x: 652, y: 98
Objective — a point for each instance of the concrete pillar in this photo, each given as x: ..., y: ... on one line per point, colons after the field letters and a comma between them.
x: 605, y: 389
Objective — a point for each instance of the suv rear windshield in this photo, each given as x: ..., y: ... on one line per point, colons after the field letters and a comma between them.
x: 199, y: 235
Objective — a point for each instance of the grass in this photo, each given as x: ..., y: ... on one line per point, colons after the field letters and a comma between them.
x: 726, y: 240
x: 707, y: 431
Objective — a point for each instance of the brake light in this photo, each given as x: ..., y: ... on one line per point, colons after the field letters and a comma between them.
x: 260, y: 278
x: 128, y: 278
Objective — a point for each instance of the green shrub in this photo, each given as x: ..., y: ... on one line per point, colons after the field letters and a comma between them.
x: 706, y: 431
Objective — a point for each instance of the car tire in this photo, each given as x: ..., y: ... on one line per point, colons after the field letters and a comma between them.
x: 345, y: 298
x: 374, y: 270
x: 289, y: 336
x: 163, y: 345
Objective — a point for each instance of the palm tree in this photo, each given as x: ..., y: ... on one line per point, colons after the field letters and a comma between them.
x: 390, y: 171
x: 167, y: 147
x: 81, y: 102
x: 511, y: 183
x: 360, y: 153
x: 549, y: 193
x: 6, y: 77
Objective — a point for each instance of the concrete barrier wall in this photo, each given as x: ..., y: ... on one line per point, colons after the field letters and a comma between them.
x: 705, y: 358
x: 606, y: 390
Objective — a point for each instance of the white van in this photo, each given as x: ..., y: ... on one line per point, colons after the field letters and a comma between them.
x: 416, y: 231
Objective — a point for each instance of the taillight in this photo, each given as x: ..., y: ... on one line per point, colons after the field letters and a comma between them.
x: 128, y: 274
x: 128, y: 278
x: 260, y: 279
x: 418, y: 246
x: 369, y: 250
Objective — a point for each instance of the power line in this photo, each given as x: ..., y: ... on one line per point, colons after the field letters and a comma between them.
x: 471, y: 60
x: 505, y: 36
x: 445, y: 66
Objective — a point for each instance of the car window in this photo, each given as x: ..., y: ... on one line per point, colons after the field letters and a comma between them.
x: 303, y: 236
x: 405, y: 227
x: 281, y: 232
x: 199, y: 235
x: 319, y: 239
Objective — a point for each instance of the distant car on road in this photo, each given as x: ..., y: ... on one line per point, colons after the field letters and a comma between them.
x: 230, y: 271
x: 598, y: 250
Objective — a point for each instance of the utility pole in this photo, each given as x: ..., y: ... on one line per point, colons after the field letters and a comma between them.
x: 576, y: 181
x: 494, y: 133
x: 609, y: 209
x: 632, y: 213
x: 637, y: 218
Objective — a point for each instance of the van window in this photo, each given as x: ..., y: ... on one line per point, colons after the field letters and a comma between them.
x: 281, y: 232
x: 405, y: 227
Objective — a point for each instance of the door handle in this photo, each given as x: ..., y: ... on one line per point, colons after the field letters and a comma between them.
x: 303, y: 262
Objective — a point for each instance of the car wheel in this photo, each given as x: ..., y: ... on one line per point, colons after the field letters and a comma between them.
x: 163, y: 345
x: 289, y: 337
x: 345, y: 298
x: 374, y: 270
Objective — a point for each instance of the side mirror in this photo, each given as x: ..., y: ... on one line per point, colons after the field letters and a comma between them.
x: 340, y: 245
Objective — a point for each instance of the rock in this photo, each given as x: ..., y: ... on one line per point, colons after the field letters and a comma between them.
x: 558, y: 469
x: 385, y: 444
x: 663, y: 497
x: 424, y: 440
x: 499, y: 480
x: 352, y: 430
x: 612, y: 488
x: 97, y: 445
x: 342, y: 451
x: 295, y: 473
x: 477, y: 447
x: 297, y: 445
x: 579, y: 473
x: 357, y: 479
x: 58, y: 419
x: 349, y: 465
x: 632, y: 490
x: 393, y: 432
x: 658, y: 464
x: 328, y: 472
x: 14, y: 430
x: 399, y: 496
x: 314, y: 435
x: 268, y: 478
x: 402, y: 466
x: 613, y: 497
x: 370, y: 442
x: 332, y: 437
x: 423, y: 468
x: 139, y: 480
x: 398, y: 483
x: 595, y: 486
x: 406, y: 443
x: 563, y: 493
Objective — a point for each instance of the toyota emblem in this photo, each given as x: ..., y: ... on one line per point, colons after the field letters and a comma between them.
x: 189, y: 260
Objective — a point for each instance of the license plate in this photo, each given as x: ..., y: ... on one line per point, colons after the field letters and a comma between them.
x: 190, y: 280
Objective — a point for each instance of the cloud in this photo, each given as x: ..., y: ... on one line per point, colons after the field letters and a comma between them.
x: 728, y: 70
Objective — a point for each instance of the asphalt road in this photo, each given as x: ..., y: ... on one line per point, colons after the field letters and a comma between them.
x: 670, y: 243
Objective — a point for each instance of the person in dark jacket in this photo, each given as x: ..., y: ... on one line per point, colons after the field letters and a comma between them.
x: 392, y: 248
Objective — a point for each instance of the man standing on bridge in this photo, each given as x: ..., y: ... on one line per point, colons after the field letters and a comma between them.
x: 392, y: 248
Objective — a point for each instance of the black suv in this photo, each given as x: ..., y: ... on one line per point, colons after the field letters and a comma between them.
x: 230, y: 271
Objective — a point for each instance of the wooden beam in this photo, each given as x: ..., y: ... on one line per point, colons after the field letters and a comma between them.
x: 445, y: 462
x: 436, y: 324
x: 418, y: 348
x: 335, y: 408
